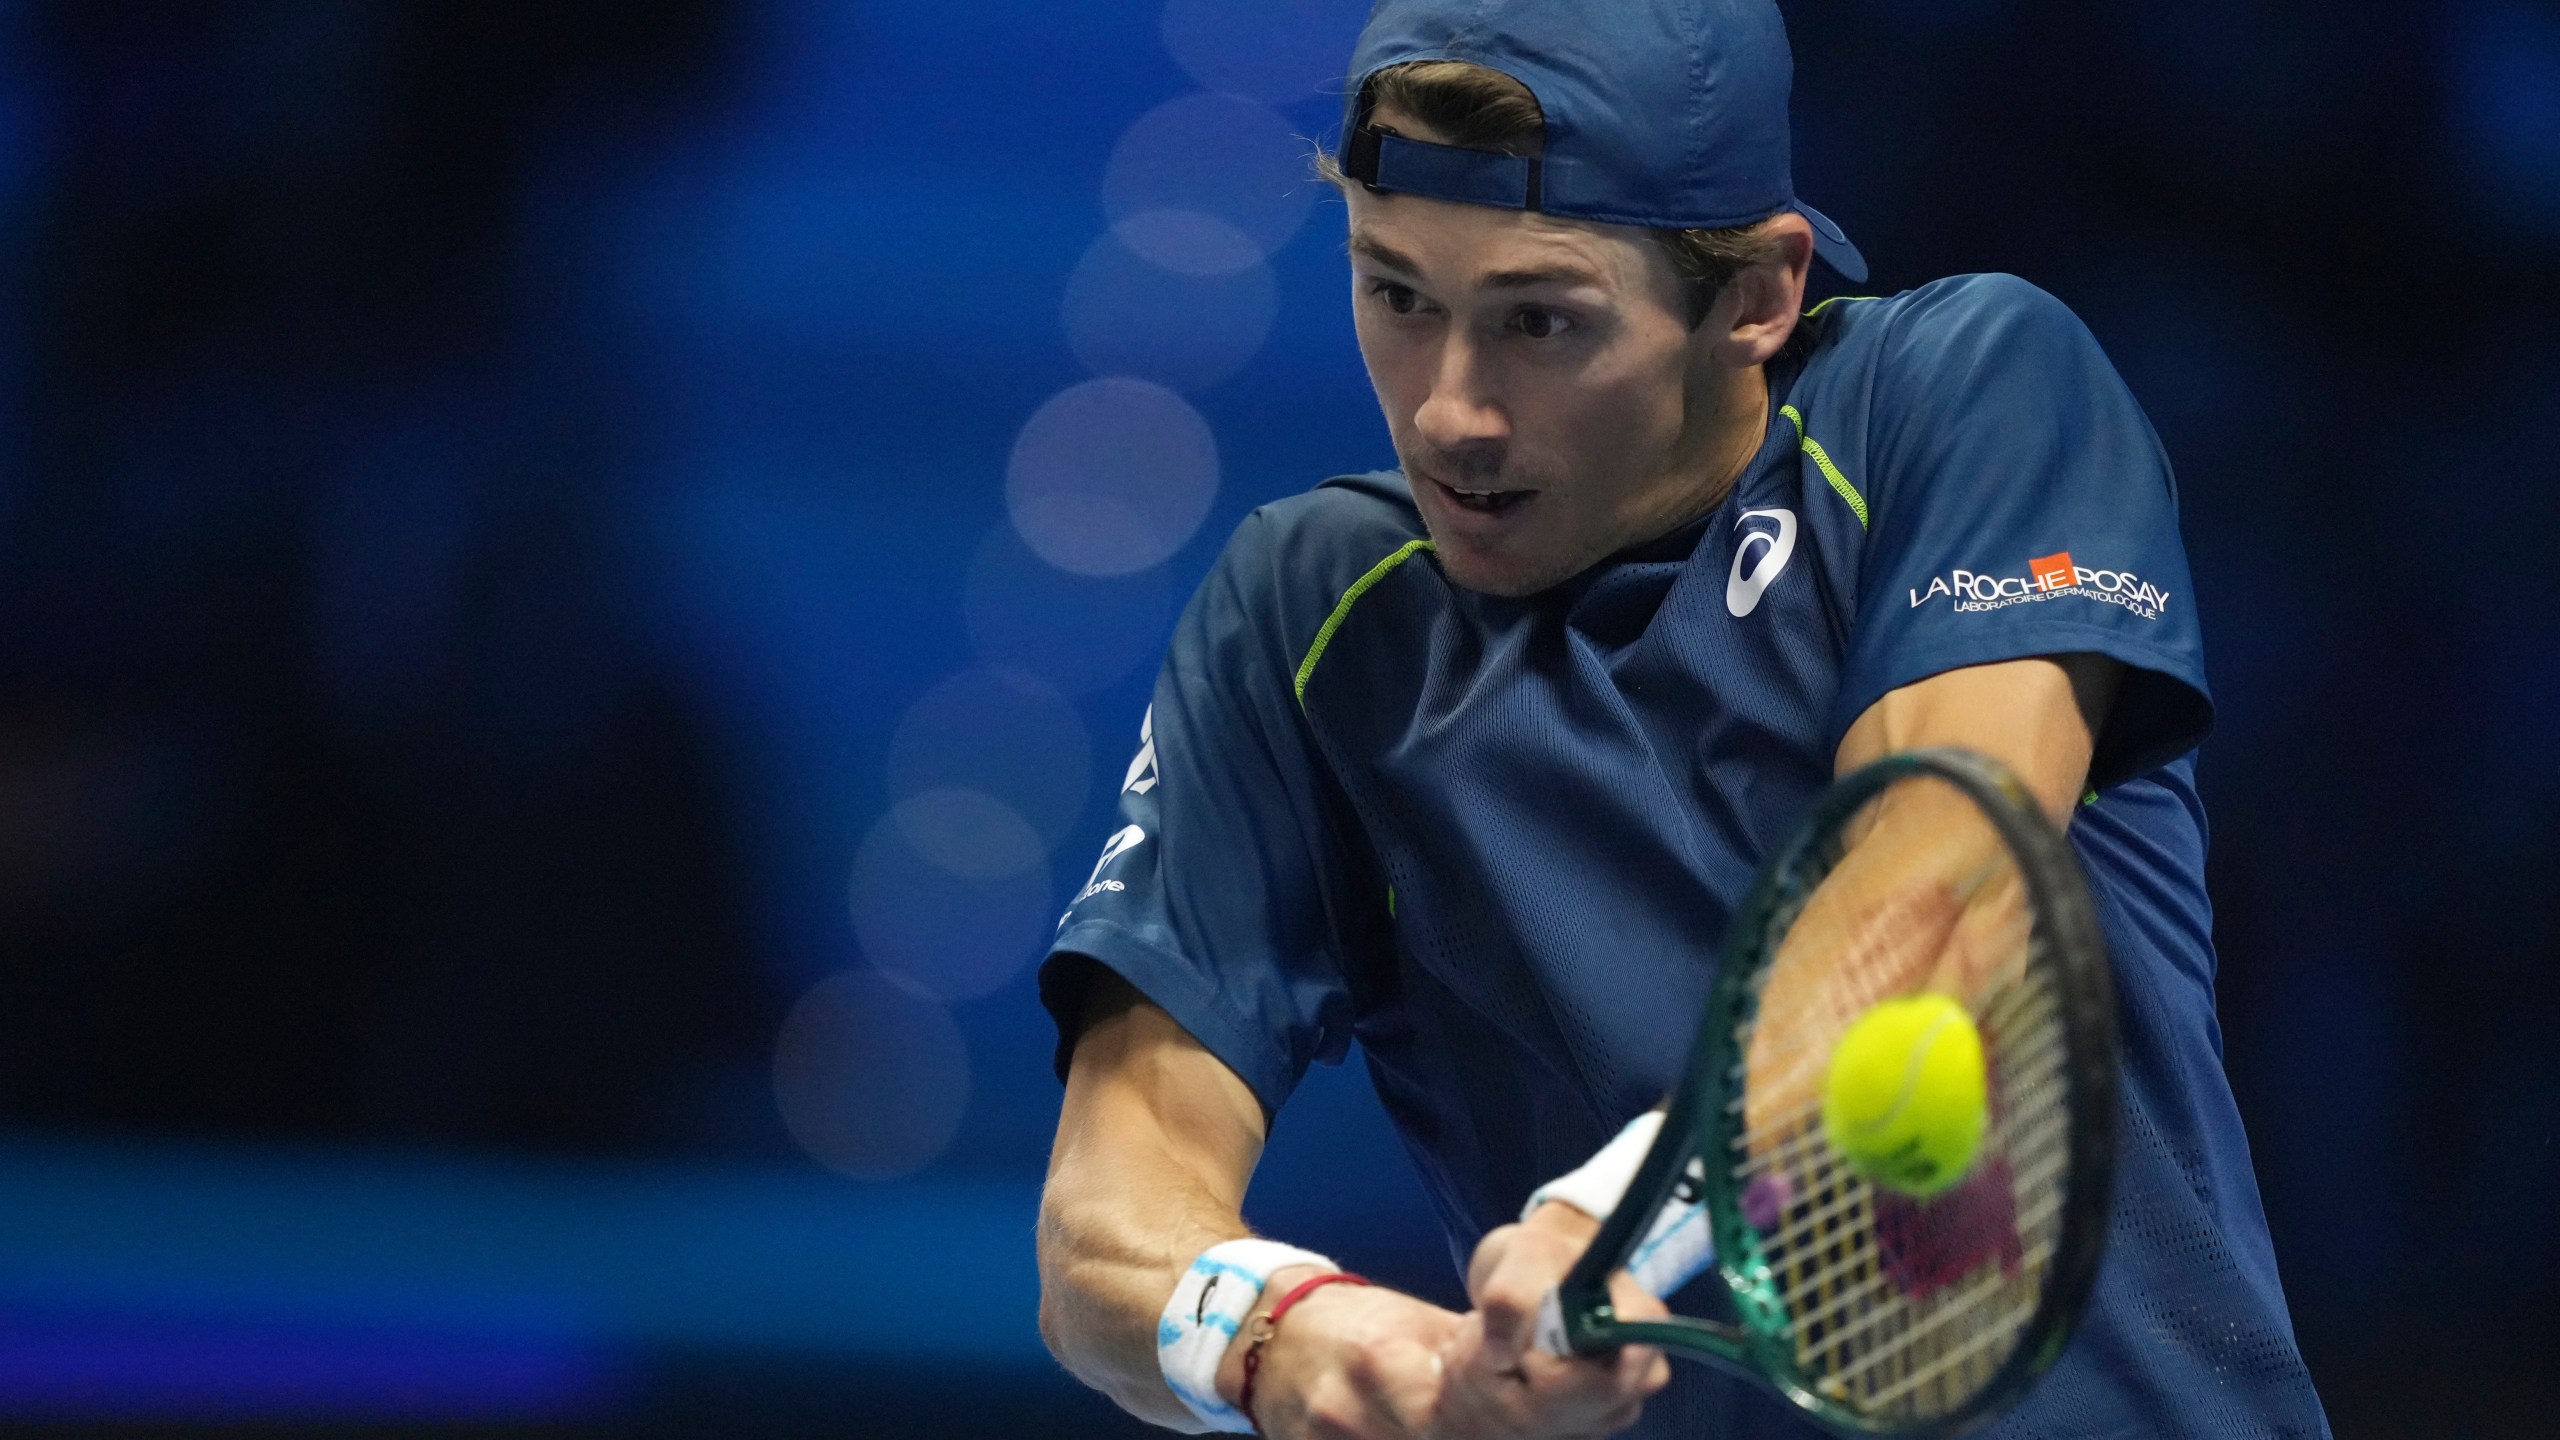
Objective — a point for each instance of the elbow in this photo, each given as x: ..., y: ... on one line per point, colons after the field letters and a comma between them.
x: 1049, y: 1331
x: 1057, y: 1292
x: 1085, y: 1335
x: 1101, y: 1292
x: 1052, y: 1322
x: 1053, y: 1327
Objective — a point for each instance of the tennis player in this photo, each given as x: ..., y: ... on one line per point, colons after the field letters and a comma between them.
x: 1470, y: 760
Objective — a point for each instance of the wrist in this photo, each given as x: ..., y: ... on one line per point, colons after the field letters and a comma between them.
x: 1217, y: 1295
x: 1254, y: 1340
x: 1282, y: 1281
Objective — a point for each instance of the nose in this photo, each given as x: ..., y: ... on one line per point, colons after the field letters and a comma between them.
x: 1462, y: 417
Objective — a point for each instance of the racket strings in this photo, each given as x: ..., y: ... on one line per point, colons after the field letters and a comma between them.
x: 1850, y: 1199
x: 1903, y: 1309
x: 2046, y: 1206
x: 1888, y: 949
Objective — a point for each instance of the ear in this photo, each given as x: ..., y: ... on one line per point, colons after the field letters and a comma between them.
x: 1760, y: 306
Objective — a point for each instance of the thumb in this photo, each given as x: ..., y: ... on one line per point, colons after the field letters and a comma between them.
x: 1492, y: 1285
x: 1509, y: 1318
x: 1504, y: 1341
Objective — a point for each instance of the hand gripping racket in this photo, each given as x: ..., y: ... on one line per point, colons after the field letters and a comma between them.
x: 1879, y: 1310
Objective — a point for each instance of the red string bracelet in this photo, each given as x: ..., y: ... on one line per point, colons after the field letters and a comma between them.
x: 1267, y: 1325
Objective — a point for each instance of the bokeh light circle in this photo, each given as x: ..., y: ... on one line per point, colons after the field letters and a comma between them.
x: 951, y: 892
x: 1078, y: 632
x: 1275, y: 50
x: 1001, y: 732
x: 970, y: 834
x: 870, y: 1077
x: 1124, y: 314
x: 1187, y: 242
x: 1217, y: 155
x: 1111, y: 476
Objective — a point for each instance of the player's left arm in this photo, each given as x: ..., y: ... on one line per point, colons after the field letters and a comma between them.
x: 1905, y: 879
x: 2039, y: 716
x: 1918, y: 902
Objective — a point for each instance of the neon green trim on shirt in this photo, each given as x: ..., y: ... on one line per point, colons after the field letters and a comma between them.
x: 1834, y: 300
x: 1830, y: 472
x: 1342, y: 608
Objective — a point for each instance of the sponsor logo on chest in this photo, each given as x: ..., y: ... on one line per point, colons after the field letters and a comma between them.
x: 2048, y: 577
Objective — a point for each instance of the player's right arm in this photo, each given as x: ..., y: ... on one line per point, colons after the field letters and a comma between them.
x: 1155, y: 1145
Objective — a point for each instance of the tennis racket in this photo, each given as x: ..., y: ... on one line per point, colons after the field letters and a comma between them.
x: 1878, y: 1310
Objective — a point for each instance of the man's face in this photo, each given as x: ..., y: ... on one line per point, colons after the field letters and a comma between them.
x: 1548, y: 399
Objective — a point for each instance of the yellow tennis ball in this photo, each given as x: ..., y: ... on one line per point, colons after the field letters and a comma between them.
x: 1906, y: 1097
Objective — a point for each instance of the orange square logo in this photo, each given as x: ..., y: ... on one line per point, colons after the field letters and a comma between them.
x: 2053, y: 572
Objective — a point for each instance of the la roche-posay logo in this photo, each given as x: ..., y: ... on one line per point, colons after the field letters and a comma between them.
x: 2048, y: 577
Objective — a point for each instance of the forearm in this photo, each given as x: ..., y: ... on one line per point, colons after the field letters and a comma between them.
x: 1925, y: 896
x: 1108, y: 1262
x: 1155, y: 1144
x: 2040, y: 717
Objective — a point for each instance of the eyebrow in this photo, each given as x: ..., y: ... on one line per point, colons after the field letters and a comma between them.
x: 1371, y: 248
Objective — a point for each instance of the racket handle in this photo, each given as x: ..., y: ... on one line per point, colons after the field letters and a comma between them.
x: 1549, y: 1334
x: 1676, y: 1250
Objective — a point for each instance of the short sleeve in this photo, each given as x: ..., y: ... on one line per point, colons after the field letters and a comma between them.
x: 2021, y: 505
x: 1213, y: 897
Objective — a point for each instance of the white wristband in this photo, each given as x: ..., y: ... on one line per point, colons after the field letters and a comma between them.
x: 1602, y: 1180
x: 1677, y: 1247
x: 1200, y: 1321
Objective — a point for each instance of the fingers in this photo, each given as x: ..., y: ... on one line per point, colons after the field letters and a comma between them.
x: 1515, y: 1268
x: 1642, y: 1369
x: 1549, y: 1397
x: 1386, y: 1390
x: 1506, y: 1282
x: 1499, y: 1384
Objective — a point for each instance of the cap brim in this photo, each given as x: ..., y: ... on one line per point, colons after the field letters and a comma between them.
x: 1832, y: 244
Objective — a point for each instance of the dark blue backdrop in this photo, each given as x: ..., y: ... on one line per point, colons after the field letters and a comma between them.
x: 575, y: 582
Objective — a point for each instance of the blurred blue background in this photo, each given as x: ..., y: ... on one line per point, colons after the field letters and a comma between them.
x: 576, y: 581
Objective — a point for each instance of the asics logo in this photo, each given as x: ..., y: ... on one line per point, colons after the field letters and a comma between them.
x: 1758, y: 558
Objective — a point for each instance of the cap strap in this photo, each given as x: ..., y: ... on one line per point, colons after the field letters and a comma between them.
x: 1442, y: 172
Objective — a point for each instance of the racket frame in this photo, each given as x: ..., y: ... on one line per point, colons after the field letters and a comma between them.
x: 1705, y: 1114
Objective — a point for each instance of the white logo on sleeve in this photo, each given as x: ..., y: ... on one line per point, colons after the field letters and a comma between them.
x: 1142, y: 771
x: 2049, y: 577
x: 1742, y: 588
x: 1128, y: 838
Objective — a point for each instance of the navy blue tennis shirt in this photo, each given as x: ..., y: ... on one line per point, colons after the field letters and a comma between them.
x: 1497, y: 840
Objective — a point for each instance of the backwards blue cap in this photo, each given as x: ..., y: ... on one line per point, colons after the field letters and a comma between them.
x: 1669, y: 114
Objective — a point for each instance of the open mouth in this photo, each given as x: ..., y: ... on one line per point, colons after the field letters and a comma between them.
x: 1484, y: 502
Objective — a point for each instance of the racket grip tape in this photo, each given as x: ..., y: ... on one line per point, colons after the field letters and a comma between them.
x: 1549, y: 1333
x: 1677, y: 1249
